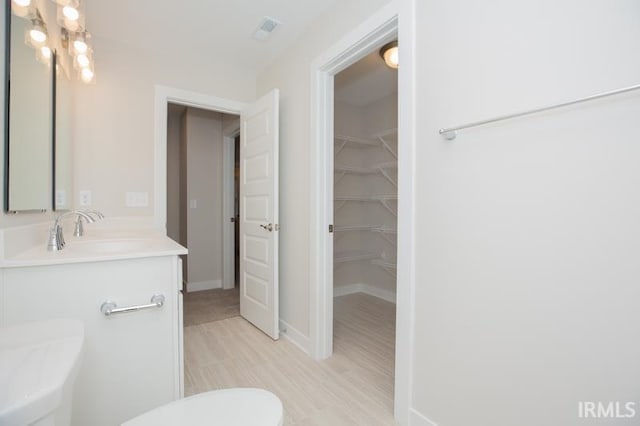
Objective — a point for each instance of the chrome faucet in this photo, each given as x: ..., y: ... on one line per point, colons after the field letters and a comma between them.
x: 56, y: 236
x: 79, y: 229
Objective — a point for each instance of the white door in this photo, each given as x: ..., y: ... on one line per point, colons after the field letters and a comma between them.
x: 259, y: 214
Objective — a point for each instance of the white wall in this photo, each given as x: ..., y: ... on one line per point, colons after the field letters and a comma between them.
x: 527, y: 231
x: 115, y: 122
x: 381, y: 115
x: 291, y: 74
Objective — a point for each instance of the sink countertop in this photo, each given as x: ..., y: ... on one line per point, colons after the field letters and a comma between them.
x: 98, y: 246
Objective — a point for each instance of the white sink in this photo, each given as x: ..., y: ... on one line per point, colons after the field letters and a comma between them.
x: 38, y: 365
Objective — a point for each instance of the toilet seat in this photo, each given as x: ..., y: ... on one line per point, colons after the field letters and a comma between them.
x: 228, y: 407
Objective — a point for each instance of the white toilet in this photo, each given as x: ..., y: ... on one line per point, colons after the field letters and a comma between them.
x: 40, y: 360
x: 225, y: 407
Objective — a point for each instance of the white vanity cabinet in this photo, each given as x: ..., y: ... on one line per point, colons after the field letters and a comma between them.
x: 132, y: 362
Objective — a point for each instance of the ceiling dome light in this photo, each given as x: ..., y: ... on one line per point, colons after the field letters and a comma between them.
x: 389, y: 52
x: 22, y: 3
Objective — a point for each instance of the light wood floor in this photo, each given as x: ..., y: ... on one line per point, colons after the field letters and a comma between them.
x: 353, y: 387
x: 210, y: 305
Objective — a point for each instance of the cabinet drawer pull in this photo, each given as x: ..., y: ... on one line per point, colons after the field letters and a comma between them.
x: 109, y: 308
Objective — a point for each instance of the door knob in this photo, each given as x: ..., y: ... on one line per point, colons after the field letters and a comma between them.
x: 268, y: 227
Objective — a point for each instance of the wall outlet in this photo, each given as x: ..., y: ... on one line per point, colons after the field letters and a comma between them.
x: 84, y: 198
x: 137, y: 199
x: 61, y: 198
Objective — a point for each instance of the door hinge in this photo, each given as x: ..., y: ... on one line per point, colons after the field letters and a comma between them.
x: 330, y: 228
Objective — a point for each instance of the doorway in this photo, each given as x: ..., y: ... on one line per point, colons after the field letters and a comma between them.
x: 259, y: 197
x: 379, y: 29
x: 365, y: 185
x: 196, y: 140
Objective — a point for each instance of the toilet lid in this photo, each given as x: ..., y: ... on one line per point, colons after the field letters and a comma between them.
x: 228, y: 407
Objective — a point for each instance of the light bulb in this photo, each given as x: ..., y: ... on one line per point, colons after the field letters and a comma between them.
x: 19, y: 10
x: 70, y: 13
x: 80, y: 46
x: 393, y: 56
x: 45, y: 51
x: 22, y: 3
x: 83, y: 60
x: 44, y: 54
x: 38, y: 36
x: 86, y: 75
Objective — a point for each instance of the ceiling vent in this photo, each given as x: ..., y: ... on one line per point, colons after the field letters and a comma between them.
x: 266, y: 27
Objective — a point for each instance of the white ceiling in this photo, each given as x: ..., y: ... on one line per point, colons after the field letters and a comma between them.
x: 366, y: 81
x: 221, y: 29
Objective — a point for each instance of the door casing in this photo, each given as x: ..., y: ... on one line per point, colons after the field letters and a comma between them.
x: 163, y: 96
x: 381, y: 27
x: 228, y: 237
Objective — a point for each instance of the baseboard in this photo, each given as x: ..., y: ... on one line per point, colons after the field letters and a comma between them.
x: 204, y: 285
x: 388, y: 295
x: 295, y: 336
x: 417, y: 419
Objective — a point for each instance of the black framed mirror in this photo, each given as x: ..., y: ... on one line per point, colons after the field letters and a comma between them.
x: 29, y: 120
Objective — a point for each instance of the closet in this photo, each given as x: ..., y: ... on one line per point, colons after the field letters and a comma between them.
x: 365, y: 180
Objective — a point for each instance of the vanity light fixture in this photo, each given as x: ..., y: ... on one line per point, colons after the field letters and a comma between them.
x: 79, y: 43
x: 87, y: 75
x: 73, y: 35
x: 21, y: 8
x: 389, y: 52
x: 82, y: 60
x: 37, y: 35
x: 44, y: 55
x: 70, y: 15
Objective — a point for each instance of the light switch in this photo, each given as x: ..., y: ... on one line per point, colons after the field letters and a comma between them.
x: 193, y: 204
x: 84, y: 198
x: 136, y: 199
